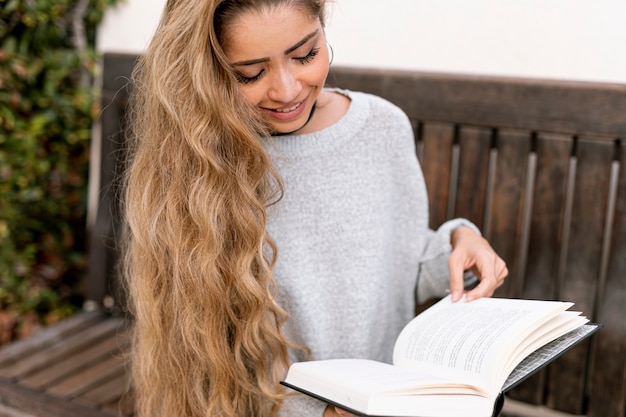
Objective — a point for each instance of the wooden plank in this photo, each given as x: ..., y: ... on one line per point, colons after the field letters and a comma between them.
x: 106, y: 393
x: 539, y: 280
x: 567, y: 376
x: 474, y: 146
x: 47, y: 337
x: 29, y: 402
x: 77, y: 384
x: 553, y: 155
x: 70, y: 346
x: 438, y: 140
x: 102, y: 280
x: 607, y: 380
x: 81, y: 360
x: 510, y: 181
x: 551, y: 106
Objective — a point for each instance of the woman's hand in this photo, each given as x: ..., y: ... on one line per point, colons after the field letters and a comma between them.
x: 470, y: 251
x: 336, y: 412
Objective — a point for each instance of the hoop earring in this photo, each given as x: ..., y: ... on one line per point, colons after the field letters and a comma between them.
x: 332, y: 53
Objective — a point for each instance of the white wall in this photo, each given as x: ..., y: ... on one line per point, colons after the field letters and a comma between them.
x: 569, y: 39
x: 128, y: 26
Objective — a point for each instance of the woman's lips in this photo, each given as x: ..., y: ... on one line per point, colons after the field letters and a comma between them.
x: 290, y: 109
x: 288, y: 113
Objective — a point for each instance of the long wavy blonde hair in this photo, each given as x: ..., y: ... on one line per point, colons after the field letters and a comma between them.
x: 198, y: 259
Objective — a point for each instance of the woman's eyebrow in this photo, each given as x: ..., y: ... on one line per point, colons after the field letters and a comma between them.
x: 302, y: 42
x: 286, y: 52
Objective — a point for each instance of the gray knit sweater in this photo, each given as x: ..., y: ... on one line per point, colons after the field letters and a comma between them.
x: 354, y: 247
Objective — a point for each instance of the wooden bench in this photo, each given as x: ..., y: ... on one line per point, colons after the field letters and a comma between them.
x: 73, y: 369
x: 538, y: 165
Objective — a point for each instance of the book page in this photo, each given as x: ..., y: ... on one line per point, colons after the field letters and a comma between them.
x: 547, y: 354
x: 560, y: 324
x: 368, y: 377
x: 379, y: 388
x: 469, y: 338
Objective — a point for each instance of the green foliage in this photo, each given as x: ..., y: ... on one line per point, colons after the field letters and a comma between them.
x: 47, y: 106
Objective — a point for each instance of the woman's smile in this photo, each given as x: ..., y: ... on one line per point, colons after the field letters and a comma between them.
x: 288, y: 113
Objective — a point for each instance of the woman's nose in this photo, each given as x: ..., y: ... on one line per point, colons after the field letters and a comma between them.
x: 284, y: 86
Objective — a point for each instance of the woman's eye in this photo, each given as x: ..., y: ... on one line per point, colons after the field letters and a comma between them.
x: 309, y: 57
x: 243, y: 79
x: 247, y: 80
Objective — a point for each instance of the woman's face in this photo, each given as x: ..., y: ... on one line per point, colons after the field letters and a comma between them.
x: 281, y: 62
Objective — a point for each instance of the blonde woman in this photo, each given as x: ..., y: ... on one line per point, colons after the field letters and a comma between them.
x: 270, y: 219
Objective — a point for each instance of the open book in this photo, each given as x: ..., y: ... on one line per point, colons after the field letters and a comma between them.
x: 454, y: 359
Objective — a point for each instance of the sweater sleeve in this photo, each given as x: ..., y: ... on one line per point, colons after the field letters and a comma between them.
x: 433, y: 280
x: 301, y: 405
